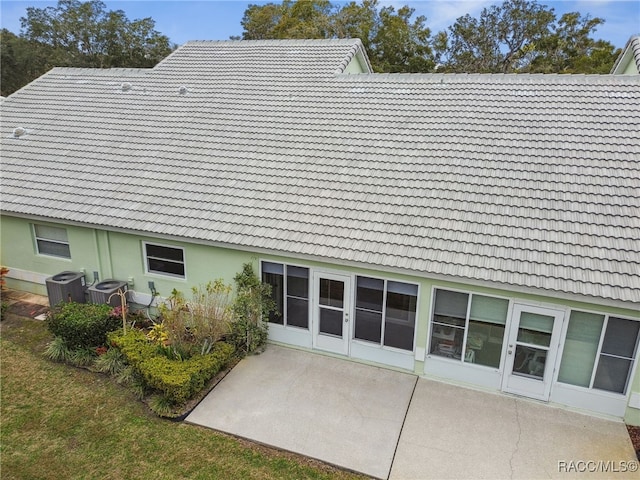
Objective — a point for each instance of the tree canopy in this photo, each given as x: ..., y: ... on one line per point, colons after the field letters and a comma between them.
x: 515, y: 36
x: 394, y: 40
x: 524, y: 36
x: 77, y: 34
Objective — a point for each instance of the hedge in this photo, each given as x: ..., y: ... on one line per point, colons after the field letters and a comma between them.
x: 82, y: 325
x: 178, y: 380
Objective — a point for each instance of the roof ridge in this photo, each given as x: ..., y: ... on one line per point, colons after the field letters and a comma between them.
x: 499, y: 78
x: 301, y: 41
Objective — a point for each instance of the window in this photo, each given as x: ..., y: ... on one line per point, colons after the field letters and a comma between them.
x: 599, y: 351
x: 52, y: 241
x: 468, y: 327
x: 290, y: 292
x: 165, y: 260
x: 386, y: 312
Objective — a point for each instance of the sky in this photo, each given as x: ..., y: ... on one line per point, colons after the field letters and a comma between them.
x: 219, y: 19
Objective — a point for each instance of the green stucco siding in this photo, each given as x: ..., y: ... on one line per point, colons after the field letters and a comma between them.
x: 631, y: 68
x: 354, y: 67
x: 112, y: 255
x: 203, y: 263
x: 18, y: 251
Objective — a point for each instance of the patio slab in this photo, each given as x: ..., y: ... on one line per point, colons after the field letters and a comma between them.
x: 337, y: 411
x: 453, y: 432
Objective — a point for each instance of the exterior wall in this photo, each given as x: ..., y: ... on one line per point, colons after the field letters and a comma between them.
x: 631, y: 68
x: 28, y: 270
x: 112, y: 255
x: 120, y: 256
x: 355, y: 66
x: 632, y: 414
x: 482, y: 377
x: 203, y: 263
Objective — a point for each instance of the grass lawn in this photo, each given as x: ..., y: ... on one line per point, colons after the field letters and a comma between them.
x: 59, y: 422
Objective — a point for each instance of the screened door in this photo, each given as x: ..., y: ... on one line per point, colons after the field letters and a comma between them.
x: 532, y: 348
x: 331, y: 312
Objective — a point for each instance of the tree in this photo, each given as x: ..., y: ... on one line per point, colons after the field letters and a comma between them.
x: 305, y: 19
x: 394, y: 40
x: 495, y: 42
x: 570, y: 49
x: 79, y: 34
x: 523, y: 36
x: 291, y: 19
x: 259, y: 21
x: 21, y: 61
x: 400, y: 45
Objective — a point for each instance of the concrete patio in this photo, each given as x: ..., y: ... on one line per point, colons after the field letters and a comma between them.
x: 339, y: 412
x: 388, y: 424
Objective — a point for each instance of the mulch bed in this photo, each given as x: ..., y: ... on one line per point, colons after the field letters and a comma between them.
x: 634, y: 434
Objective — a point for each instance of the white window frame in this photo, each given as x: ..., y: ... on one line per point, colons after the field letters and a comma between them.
x: 37, y: 239
x: 381, y: 344
x: 461, y: 360
x: 285, y: 294
x: 603, y: 330
x: 157, y: 272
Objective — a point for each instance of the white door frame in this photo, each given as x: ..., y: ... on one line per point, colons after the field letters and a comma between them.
x: 332, y: 343
x: 536, y: 385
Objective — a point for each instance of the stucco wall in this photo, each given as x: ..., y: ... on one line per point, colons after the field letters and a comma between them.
x: 112, y: 255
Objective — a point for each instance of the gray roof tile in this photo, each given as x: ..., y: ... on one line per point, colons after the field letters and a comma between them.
x: 529, y: 181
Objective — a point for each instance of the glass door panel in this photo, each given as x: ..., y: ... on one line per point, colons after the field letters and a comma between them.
x: 331, y: 318
x: 530, y: 362
x: 534, y: 335
x: 535, y: 329
x: 331, y: 293
x: 331, y: 322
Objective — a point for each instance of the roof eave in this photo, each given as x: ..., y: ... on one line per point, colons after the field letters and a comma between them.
x: 629, y: 306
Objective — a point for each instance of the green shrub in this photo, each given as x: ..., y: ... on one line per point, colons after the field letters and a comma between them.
x: 82, y: 325
x: 130, y: 377
x: 176, y: 380
x: 179, y: 381
x: 251, y: 307
x: 248, y: 336
x: 134, y: 345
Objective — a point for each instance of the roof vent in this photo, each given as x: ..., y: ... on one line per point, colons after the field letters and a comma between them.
x: 18, y: 132
x: 182, y: 90
x: 126, y: 86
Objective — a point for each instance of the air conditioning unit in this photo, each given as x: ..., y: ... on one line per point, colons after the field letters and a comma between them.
x: 100, y: 292
x: 66, y: 287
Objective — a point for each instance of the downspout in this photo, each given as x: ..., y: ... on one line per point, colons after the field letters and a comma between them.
x: 103, y: 251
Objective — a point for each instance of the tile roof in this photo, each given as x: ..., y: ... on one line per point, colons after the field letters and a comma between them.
x: 528, y: 182
x: 277, y: 59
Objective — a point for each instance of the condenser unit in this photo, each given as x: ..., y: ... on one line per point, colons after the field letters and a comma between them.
x: 100, y: 292
x: 66, y: 287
